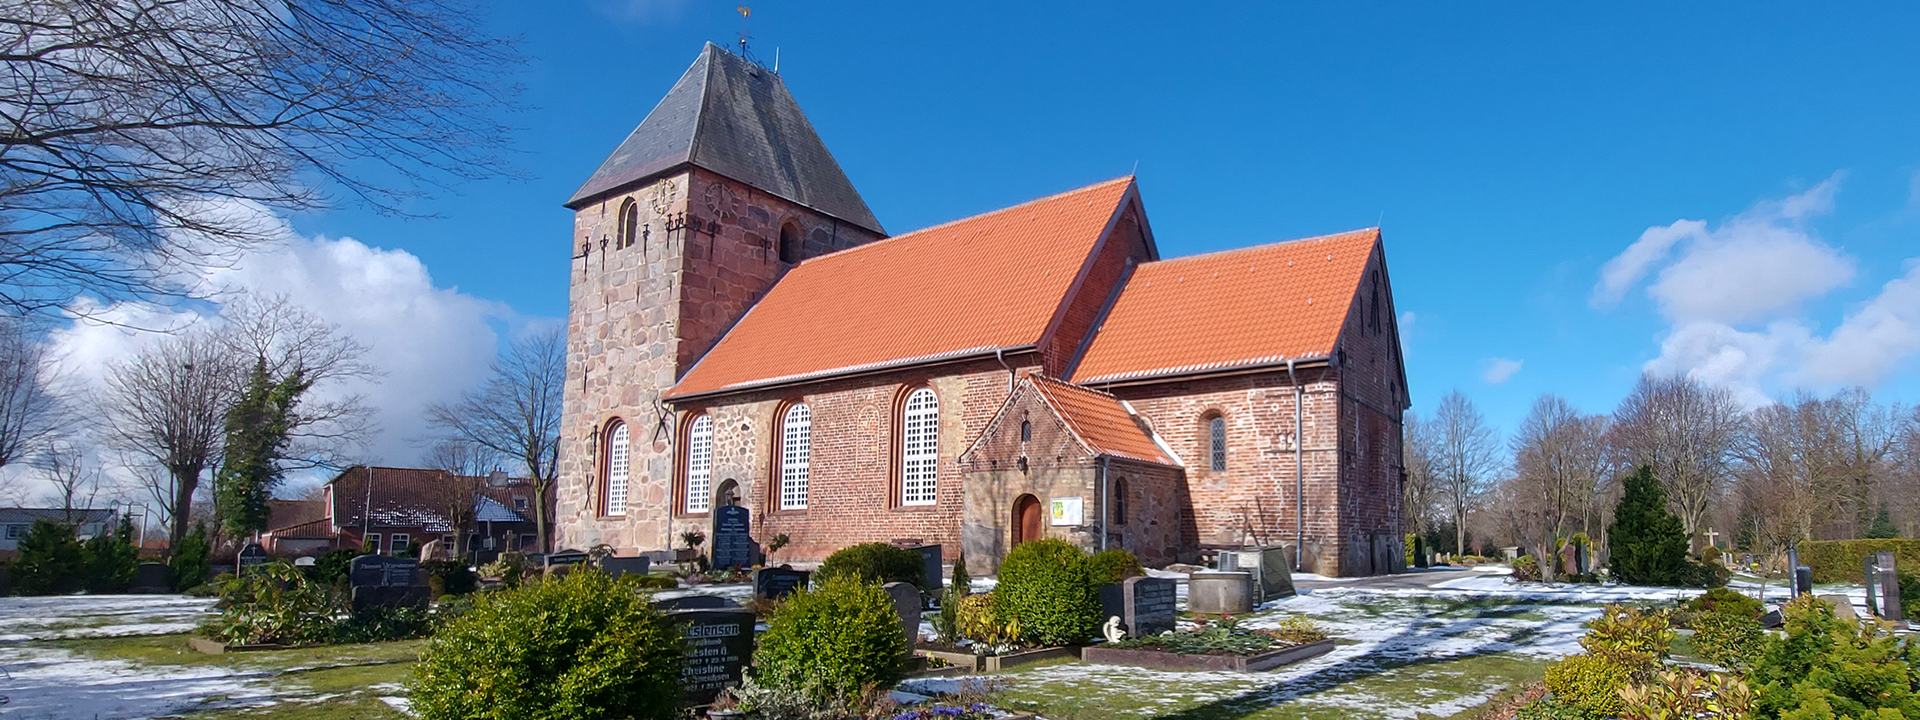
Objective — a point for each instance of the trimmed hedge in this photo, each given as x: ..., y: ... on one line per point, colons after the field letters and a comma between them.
x: 1840, y: 560
x: 878, y: 563
x: 1052, y: 590
x: 832, y: 642
x: 1114, y: 565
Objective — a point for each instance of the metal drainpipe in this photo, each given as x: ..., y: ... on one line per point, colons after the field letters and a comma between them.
x: 1299, y: 475
x: 1104, y: 501
x: 1000, y: 355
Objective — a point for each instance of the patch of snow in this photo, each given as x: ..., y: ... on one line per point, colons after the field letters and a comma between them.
x: 55, y: 683
x: 88, y: 616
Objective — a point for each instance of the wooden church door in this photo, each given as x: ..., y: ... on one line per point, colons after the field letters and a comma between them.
x: 1027, y: 519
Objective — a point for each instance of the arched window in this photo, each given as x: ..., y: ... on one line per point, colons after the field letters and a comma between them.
x: 790, y: 243
x: 619, y: 450
x: 1217, y: 443
x: 1119, y: 502
x: 796, y: 441
x: 628, y: 228
x: 919, y: 447
x: 1026, y: 431
x: 699, y: 464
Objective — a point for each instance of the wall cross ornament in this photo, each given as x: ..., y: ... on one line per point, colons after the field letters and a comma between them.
x: 662, y: 420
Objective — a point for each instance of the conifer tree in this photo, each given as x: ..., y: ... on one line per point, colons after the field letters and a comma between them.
x: 257, y: 429
x: 1882, y: 526
x: 1649, y: 546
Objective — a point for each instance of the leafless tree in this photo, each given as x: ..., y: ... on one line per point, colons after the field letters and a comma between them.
x: 1420, y: 455
x: 167, y: 406
x: 288, y: 338
x: 1469, y: 457
x: 30, y: 414
x: 1687, y: 432
x: 465, y: 466
x: 1560, y: 461
x: 516, y: 413
x: 1813, y: 468
x: 76, y: 484
x: 136, y: 128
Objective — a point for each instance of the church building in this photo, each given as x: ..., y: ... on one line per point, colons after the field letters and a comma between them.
x: 742, y: 331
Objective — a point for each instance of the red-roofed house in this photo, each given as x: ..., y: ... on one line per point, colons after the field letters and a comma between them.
x: 742, y: 332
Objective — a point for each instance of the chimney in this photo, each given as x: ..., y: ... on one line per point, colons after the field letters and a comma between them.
x: 497, y: 479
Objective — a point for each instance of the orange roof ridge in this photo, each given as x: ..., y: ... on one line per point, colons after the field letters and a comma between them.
x: 1217, y: 254
x: 883, y: 242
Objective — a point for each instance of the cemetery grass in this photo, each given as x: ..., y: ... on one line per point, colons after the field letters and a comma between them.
x: 334, y: 682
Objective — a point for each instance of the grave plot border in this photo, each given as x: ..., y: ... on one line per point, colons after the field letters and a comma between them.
x: 1163, y: 660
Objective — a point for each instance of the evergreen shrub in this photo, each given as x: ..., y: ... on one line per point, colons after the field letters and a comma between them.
x: 110, y: 560
x: 1052, y: 591
x: 976, y: 620
x: 582, y: 647
x: 273, y: 604
x: 833, y: 642
x: 449, y: 577
x: 191, y: 561
x: 1731, y: 640
x: 1723, y: 601
x: 1828, y: 667
x: 877, y: 563
x: 1590, y: 683
x: 1114, y: 564
x: 51, y: 561
x: 1649, y: 544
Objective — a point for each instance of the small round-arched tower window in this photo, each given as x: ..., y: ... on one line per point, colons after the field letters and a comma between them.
x: 790, y: 243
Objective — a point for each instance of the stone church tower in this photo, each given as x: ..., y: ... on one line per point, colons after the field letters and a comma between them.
x: 721, y: 189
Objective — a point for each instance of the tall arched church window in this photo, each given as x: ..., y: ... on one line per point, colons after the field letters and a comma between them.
x: 796, y: 441
x: 919, y: 447
x: 1217, y: 443
x: 700, y: 464
x: 629, y: 224
x: 790, y: 243
x: 619, y: 458
x: 1119, y: 502
x: 1026, y: 431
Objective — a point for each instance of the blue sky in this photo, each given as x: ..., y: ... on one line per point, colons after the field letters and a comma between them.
x: 1510, y: 151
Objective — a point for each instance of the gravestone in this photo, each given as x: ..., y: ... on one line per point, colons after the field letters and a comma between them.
x: 1145, y: 605
x: 776, y: 583
x: 732, y: 539
x: 1793, y: 572
x: 719, y: 644
x: 1870, y: 575
x: 1802, y: 581
x: 1889, y: 589
x: 1276, y: 574
x: 152, y: 577
x: 695, y: 602
x: 1580, y: 561
x: 251, y: 556
x: 1842, y: 606
x: 930, y: 555
x: 617, y: 566
x: 383, y: 581
x: 906, y: 603
x: 564, y: 557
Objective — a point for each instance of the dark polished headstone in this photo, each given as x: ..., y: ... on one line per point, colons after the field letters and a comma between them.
x: 251, y: 556
x: 695, y: 602
x: 564, y: 557
x: 152, y: 577
x: 1802, y: 581
x: 390, y: 596
x: 617, y: 566
x: 732, y: 538
x: 1145, y: 605
x: 930, y: 557
x: 719, y: 644
x: 1890, y: 589
x: 775, y: 583
x: 906, y: 603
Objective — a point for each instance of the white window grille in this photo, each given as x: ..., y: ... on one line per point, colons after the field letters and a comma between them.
x: 1217, y: 443
x: 700, y: 464
x: 399, y: 542
x: 919, y: 448
x: 796, y: 441
x: 618, y: 449
x: 373, y: 543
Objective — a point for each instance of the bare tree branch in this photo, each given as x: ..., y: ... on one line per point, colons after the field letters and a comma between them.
x: 516, y: 413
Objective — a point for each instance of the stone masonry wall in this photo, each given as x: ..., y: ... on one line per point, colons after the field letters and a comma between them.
x: 639, y: 316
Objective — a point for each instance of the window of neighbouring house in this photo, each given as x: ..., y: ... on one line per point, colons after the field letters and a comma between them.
x: 700, y: 464
x: 796, y: 447
x: 398, y: 544
x: 919, y: 447
x: 13, y: 531
x: 372, y: 544
x: 527, y: 540
x: 520, y: 502
x: 618, y: 451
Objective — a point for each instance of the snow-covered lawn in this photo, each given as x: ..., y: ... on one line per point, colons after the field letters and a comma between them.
x: 90, y: 616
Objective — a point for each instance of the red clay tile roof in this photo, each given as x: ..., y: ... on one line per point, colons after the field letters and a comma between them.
x: 988, y: 282
x: 288, y: 513
x: 1238, y: 308
x: 319, y: 529
x: 1101, y: 421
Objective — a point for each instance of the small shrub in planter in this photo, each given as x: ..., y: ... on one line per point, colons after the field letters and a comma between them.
x: 655, y: 582
x: 1114, y: 564
x: 1590, y: 683
x: 832, y: 642
x: 585, y: 647
x: 1052, y: 591
x: 877, y: 563
x: 1733, y: 641
x: 976, y: 620
x: 510, y: 567
x: 333, y: 568
x: 1226, y: 637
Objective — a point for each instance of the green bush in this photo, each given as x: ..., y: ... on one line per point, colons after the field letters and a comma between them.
x: 1727, y: 602
x: 1591, y: 683
x: 976, y: 620
x: 1526, y: 569
x: 272, y: 604
x: 510, y: 567
x: 1909, y: 593
x: 878, y: 563
x: 1649, y: 545
x: 1551, y: 709
x: 449, y: 577
x: 1645, y: 635
x: 1052, y: 591
x: 655, y: 582
x: 50, y: 562
x: 381, y: 624
x: 833, y: 642
x: 584, y: 647
x: 1827, y: 667
x: 961, y: 580
x: 332, y: 568
x: 1732, y: 640
x: 111, y: 560
x: 1114, y: 564
x: 190, y: 561
x: 1836, y: 561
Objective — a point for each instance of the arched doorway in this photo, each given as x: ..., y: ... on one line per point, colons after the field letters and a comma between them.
x: 1028, y: 522
x: 728, y: 494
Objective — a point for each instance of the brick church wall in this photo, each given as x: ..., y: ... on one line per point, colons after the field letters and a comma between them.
x: 639, y: 315
x: 1372, y: 399
x: 1123, y: 248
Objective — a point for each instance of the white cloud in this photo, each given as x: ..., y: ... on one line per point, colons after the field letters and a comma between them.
x: 1734, y: 298
x: 430, y: 343
x: 1499, y: 370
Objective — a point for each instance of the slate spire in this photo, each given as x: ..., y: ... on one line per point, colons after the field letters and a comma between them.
x: 735, y: 118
